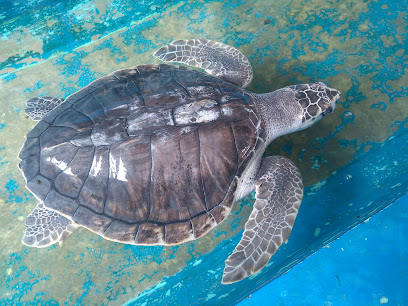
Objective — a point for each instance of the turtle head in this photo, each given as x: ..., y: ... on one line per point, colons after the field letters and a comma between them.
x: 316, y: 101
x: 295, y: 108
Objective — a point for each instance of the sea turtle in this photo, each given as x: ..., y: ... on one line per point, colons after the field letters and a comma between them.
x: 158, y: 154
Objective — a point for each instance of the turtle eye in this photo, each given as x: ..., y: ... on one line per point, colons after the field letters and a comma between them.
x: 327, y: 111
x: 332, y: 93
x: 335, y: 93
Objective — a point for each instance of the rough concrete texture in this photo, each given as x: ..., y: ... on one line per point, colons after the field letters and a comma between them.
x: 57, y: 47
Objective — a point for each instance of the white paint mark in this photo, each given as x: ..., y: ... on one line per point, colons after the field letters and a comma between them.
x: 96, y: 167
x: 122, y: 171
x: 255, y: 275
x: 226, y: 111
x: 147, y: 292
x: 117, y: 171
x: 59, y: 163
x: 199, y: 112
x: 112, y: 166
x: 384, y: 300
x: 68, y: 171
x: 210, y: 296
x: 223, y: 296
x: 207, y: 115
x: 396, y: 185
x: 186, y: 130
x: 318, y: 185
x: 269, y: 264
x: 245, y: 150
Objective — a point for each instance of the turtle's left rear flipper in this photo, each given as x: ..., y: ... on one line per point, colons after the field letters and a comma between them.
x: 37, y: 108
x: 45, y: 227
x: 217, y: 59
x: 279, y: 192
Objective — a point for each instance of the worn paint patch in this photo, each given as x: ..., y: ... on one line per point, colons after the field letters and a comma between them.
x: 301, y: 45
x: 34, y: 31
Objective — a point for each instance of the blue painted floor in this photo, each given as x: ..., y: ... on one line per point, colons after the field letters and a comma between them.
x: 367, y: 266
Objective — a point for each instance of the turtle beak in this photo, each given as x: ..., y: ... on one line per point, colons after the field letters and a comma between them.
x: 334, y: 96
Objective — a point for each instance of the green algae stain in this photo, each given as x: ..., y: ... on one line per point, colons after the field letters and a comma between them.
x: 341, y: 43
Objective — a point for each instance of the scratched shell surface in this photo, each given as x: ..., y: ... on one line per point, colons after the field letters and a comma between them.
x: 147, y: 155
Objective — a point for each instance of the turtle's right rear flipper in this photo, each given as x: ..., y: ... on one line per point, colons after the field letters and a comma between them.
x: 45, y: 227
x: 37, y: 108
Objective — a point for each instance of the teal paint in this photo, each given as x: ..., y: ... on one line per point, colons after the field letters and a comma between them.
x: 9, y: 77
x: 380, y: 105
x: 9, y: 192
x: 347, y: 272
x: 206, y: 285
x: 63, y: 26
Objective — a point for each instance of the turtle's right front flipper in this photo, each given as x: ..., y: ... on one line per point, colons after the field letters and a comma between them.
x: 279, y: 192
x: 37, y: 108
x: 45, y: 227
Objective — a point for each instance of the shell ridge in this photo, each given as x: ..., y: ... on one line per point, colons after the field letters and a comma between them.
x: 100, y: 105
x: 82, y: 131
x: 41, y: 158
x: 150, y: 193
x: 114, y: 74
x: 178, y: 83
x: 108, y: 227
x: 79, y: 111
x: 136, y: 234
x: 164, y: 233
x: 177, y: 203
x: 88, y: 172
x: 138, y: 88
x: 199, y: 167
x: 107, y: 184
x: 83, y: 182
x: 42, y: 177
x: 173, y: 119
x: 235, y: 143
x: 158, y: 223
x: 195, y: 130
x: 192, y: 228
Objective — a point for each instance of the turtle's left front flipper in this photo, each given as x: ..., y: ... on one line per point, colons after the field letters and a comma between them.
x: 279, y: 192
x: 37, y: 108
